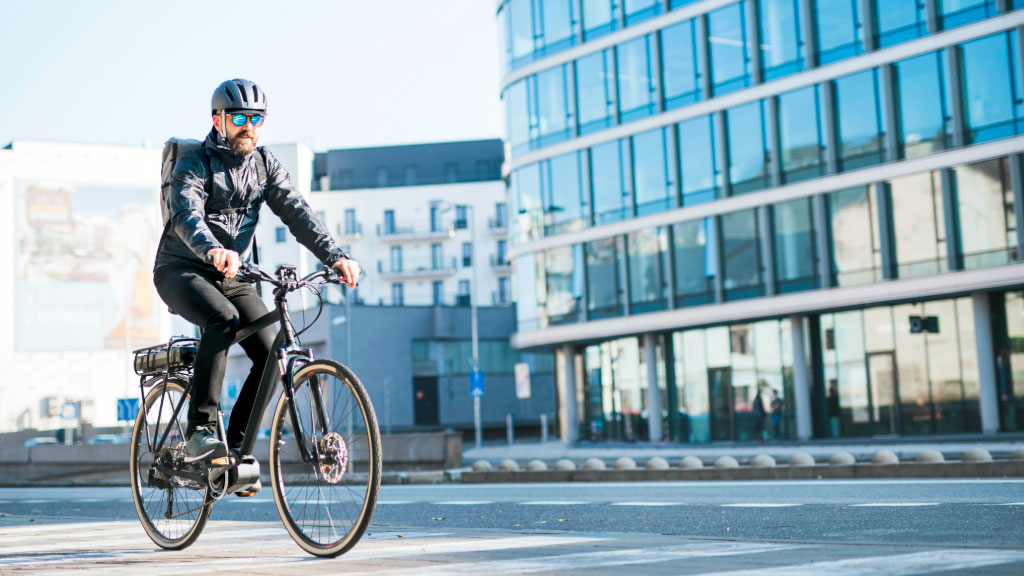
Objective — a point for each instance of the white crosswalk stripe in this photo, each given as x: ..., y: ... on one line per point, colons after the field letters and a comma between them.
x: 893, y: 504
x: 944, y: 561
x: 463, y: 502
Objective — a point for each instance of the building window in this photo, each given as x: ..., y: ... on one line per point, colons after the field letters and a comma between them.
x: 397, y: 294
x: 696, y: 261
x: 639, y: 10
x: 557, y: 17
x: 451, y: 172
x: 389, y: 221
x: 500, y: 215
x: 343, y: 181
x: 727, y: 40
x: 437, y: 289
x: 503, y: 290
x: 636, y: 78
x: 647, y: 285
x: 598, y: 18
x: 554, y: 115
x: 781, y: 44
x: 741, y: 255
x: 861, y: 125
x: 594, y: 89
x: 525, y: 185
x: 396, y: 259
x: 838, y: 29
x: 748, y: 148
x: 464, y: 293
x: 436, y: 257
x: 991, y: 85
x: 350, y: 221
x: 501, y: 253
x: 853, y: 236
x: 953, y: 13
x: 612, y: 198
x: 652, y: 183
x: 697, y: 160
x: 467, y: 254
x: 681, y: 81
x: 521, y: 31
x: 796, y: 259
x: 435, y: 221
x: 410, y: 176
x: 563, y: 275
x: 801, y: 134
x: 279, y: 235
x: 899, y: 21
x: 604, y: 295
x: 566, y: 209
x: 461, y: 220
x: 988, y: 230
x: 922, y: 109
x: 918, y: 226
x: 517, y: 109
x: 382, y: 177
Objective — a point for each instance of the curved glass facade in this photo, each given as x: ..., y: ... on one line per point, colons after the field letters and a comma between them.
x: 724, y: 153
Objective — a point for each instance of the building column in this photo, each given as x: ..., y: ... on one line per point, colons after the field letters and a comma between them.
x: 950, y: 215
x: 988, y: 399
x: 867, y: 24
x: 954, y: 79
x: 1017, y: 184
x: 801, y: 386
x: 565, y: 390
x: 653, y: 393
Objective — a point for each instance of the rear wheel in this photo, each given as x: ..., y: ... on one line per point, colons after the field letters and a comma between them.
x: 173, y: 509
x: 326, y: 503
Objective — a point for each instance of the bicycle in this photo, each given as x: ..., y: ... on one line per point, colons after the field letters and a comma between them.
x: 325, y: 451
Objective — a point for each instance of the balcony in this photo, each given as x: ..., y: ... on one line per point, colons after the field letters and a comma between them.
x: 500, y: 265
x: 347, y: 235
x: 418, y: 270
x: 413, y: 233
x: 498, y: 226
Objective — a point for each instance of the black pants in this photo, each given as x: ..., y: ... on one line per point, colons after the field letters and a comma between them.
x: 219, y: 306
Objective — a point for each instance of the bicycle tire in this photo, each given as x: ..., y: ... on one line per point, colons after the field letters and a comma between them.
x: 172, y: 511
x: 348, y: 465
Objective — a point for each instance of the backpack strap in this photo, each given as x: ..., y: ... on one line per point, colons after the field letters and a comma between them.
x: 261, y: 178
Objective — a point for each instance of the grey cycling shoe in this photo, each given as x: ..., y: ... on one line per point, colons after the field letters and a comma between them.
x: 203, y: 444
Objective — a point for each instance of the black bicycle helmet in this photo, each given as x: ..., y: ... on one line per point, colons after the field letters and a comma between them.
x: 238, y: 95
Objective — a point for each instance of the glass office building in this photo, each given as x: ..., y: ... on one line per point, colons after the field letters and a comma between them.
x: 738, y: 220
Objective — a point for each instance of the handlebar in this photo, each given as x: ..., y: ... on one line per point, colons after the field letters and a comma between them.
x: 286, y: 278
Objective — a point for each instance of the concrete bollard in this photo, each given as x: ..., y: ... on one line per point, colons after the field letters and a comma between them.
x: 841, y: 459
x: 691, y: 463
x: 801, y: 459
x: 657, y: 463
x: 565, y: 465
x: 885, y: 458
x: 1018, y: 455
x: 762, y: 461
x: 625, y: 463
x: 594, y: 464
x: 482, y: 466
x: 536, y: 466
x: 508, y: 466
x: 977, y: 455
x: 726, y: 462
x: 929, y: 457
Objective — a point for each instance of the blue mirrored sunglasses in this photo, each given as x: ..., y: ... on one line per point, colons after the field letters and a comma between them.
x: 239, y: 119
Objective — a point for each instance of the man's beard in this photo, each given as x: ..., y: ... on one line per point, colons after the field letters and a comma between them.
x: 242, y: 147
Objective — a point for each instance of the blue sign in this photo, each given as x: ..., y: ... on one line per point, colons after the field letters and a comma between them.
x: 476, y: 384
x: 127, y: 409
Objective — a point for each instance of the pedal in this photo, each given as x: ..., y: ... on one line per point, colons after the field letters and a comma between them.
x: 246, y: 494
x: 222, y: 461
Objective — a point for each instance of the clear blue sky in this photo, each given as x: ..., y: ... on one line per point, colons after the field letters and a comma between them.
x: 341, y: 73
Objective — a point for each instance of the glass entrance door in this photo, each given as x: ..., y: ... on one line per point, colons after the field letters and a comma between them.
x: 720, y: 392
x: 883, y: 393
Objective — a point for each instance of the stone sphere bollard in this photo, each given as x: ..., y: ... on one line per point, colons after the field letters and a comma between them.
x: 508, y: 466
x: 536, y: 466
x: 1018, y: 455
x: 929, y: 457
x: 801, y: 459
x: 885, y: 458
x: 977, y: 455
x: 657, y: 463
x: 565, y: 465
x: 841, y: 459
x: 594, y: 464
x: 625, y: 463
x: 691, y: 463
x: 762, y: 461
x: 482, y: 466
x: 726, y: 462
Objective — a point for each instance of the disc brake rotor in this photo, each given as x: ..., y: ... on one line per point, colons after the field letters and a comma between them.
x: 333, y: 457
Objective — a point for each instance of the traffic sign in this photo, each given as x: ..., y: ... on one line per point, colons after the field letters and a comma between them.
x: 127, y: 409
x: 476, y: 384
x: 522, y: 371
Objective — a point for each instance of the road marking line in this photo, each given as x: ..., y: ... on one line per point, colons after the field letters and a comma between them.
x: 605, y: 558
x: 37, y: 528
x: 394, y: 502
x: 1011, y: 504
x: 760, y: 505
x: 645, y: 504
x: 93, y: 540
x: 463, y: 502
x: 893, y: 504
x: 898, y: 565
x: 554, y: 503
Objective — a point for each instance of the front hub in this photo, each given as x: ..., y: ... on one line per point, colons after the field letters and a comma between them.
x: 333, y: 457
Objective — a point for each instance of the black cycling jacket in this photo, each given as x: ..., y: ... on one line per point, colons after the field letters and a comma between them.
x: 227, y: 216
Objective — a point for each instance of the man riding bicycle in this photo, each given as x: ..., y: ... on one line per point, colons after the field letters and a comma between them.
x: 214, y: 203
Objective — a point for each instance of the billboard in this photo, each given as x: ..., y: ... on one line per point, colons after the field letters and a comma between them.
x: 84, y: 256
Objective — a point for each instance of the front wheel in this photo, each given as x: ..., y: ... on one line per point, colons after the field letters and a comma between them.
x: 326, y: 500
x: 173, y: 508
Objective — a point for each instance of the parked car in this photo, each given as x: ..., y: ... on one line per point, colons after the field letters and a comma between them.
x: 107, y: 439
x: 39, y: 440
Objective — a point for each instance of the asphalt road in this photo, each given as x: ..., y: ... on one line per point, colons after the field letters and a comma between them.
x: 971, y: 524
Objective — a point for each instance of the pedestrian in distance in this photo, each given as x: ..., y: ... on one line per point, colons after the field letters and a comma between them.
x: 777, y: 408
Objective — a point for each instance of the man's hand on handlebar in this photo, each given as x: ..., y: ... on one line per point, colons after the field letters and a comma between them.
x: 225, y: 261
x: 348, y: 270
